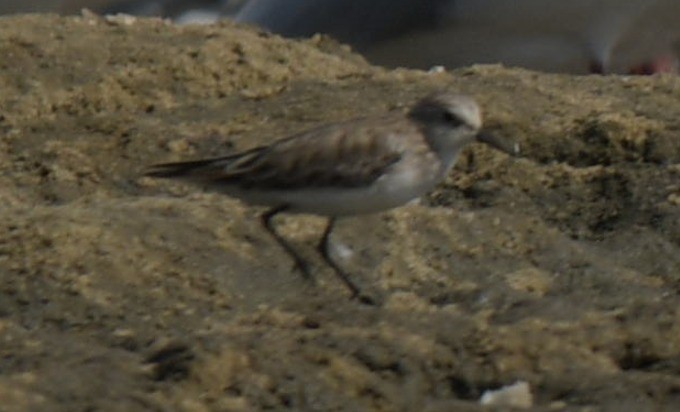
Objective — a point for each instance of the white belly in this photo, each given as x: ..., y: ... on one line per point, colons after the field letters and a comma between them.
x: 387, y: 192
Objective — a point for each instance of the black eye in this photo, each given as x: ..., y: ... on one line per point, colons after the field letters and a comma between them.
x: 452, y: 119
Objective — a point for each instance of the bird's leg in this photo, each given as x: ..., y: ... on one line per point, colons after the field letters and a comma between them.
x: 323, y: 248
x: 300, y: 263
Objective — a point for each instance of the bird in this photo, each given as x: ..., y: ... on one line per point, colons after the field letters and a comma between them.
x: 352, y: 167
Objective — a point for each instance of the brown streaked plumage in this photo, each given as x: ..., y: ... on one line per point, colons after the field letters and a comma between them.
x: 300, y: 161
x: 359, y: 166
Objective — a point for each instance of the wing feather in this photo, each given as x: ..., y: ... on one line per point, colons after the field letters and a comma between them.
x: 341, y: 155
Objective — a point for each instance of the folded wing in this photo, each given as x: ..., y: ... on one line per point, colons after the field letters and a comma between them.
x: 327, y: 157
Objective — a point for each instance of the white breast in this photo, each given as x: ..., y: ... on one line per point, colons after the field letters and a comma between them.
x: 405, y: 181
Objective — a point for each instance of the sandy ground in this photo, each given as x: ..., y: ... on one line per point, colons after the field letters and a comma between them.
x: 560, y: 269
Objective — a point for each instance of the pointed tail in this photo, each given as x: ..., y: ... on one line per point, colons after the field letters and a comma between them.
x: 178, y: 169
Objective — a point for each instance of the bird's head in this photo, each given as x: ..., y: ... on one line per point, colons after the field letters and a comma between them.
x: 450, y: 121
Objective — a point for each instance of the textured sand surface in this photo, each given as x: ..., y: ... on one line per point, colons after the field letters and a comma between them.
x: 121, y: 293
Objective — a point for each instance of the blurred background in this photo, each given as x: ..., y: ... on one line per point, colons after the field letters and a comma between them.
x: 575, y: 36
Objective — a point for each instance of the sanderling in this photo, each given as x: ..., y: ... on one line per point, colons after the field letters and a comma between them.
x: 359, y: 166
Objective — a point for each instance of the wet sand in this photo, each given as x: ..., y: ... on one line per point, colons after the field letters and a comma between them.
x: 560, y: 268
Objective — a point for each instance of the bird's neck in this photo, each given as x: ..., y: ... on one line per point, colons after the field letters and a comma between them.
x: 447, y: 149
